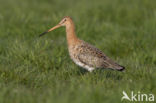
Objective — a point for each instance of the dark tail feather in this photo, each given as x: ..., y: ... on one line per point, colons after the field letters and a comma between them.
x: 118, y: 67
x: 121, y: 68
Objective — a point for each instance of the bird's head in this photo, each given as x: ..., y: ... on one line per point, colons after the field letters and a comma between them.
x: 64, y: 22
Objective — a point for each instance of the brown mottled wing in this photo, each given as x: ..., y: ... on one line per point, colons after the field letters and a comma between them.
x: 93, y: 57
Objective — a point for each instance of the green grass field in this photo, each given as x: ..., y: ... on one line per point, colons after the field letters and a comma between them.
x: 39, y: 70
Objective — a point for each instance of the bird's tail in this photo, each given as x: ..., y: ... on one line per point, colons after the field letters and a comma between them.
x: 113, y: 65
x: 118, y: 67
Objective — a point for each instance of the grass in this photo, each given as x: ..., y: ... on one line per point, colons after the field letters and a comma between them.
x: 39, y: 70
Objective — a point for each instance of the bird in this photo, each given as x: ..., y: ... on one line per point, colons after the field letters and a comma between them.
x: 82, y: 53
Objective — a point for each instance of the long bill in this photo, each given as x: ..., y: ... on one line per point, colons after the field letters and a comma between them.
x: 55, y: 27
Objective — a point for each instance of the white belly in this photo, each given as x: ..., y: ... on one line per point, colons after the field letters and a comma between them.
x: 83, y: 65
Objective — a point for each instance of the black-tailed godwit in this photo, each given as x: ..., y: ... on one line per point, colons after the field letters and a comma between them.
x: 82, y: 53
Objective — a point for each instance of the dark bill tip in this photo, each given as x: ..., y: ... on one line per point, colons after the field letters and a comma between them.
x: 43, y: 33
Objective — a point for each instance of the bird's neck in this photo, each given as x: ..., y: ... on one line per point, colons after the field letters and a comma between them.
x: 70, y: 33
